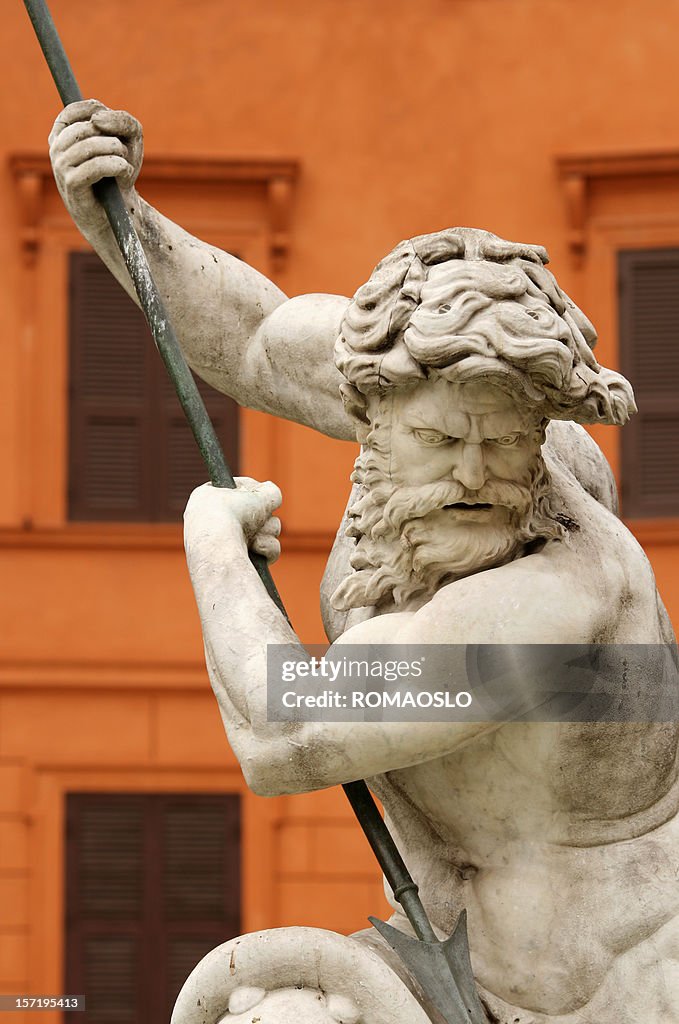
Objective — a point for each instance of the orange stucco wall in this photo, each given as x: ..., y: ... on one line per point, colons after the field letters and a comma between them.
x: 404, y: 118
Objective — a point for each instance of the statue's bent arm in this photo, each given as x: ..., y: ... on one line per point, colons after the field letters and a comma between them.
x: 537, y: 604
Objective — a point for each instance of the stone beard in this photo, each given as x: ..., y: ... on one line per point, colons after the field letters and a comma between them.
x: 472, y: 309
x: 408, y: 544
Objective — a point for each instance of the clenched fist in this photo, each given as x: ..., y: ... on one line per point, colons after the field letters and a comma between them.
x: 87, y: 143
x: 218, y: 517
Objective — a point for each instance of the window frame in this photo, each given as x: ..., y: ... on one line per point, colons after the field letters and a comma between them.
x: 238, y: 205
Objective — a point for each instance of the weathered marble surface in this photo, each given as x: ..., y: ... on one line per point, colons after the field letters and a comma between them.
x: 473, y: 520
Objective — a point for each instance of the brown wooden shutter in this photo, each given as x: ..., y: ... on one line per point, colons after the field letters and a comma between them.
x: 152, y: 884
x: 180, y: 466
x: 649, y: 352
x: 131, y: 454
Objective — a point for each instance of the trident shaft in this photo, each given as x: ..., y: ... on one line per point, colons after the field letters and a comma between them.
x: 442, y: 969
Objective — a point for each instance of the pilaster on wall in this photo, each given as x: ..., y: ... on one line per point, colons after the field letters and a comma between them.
x: 327, y: 875
x: 15, y: 826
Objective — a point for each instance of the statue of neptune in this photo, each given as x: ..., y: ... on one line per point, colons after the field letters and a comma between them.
x: 481, y: 512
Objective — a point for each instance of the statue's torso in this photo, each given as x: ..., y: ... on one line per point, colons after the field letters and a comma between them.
x: 561, y: 839
x: 557, y: 885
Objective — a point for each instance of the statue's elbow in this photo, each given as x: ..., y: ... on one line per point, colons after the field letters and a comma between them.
x: 261, y: 780
x: 269, y: 775
x: 286, y: 770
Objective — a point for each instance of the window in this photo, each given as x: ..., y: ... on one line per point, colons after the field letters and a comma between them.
x: 649, y: 353
x: 132, y: 456
x: 152, y: 884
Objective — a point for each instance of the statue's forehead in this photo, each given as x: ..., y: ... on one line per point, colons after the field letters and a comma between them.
x: 476, y: 398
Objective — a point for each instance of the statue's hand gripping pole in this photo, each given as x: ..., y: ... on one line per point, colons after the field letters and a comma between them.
x: 441, y: 968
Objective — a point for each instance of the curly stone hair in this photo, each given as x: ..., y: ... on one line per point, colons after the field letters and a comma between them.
x: 465, y: 304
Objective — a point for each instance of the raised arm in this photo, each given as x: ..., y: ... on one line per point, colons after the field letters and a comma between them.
x: 237, y: 329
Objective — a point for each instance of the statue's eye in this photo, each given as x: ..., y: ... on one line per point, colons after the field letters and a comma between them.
x: 431, y: 436
x: 507, y: 440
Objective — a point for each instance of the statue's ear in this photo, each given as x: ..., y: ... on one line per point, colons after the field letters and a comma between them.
x: 343, y: 1010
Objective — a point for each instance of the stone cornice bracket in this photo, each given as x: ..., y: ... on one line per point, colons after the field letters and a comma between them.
x: 32, y: 174
x: 280, y: 205
x: 575, y: 191
x: 29, y: 184
x: 578, y: 174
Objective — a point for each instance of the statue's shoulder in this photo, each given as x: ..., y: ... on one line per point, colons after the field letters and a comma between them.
x: 572, y: 448
x: 599, y: 555
x: 585, y: 502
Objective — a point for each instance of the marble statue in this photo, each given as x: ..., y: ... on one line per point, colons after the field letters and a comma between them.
x: 481, y: 512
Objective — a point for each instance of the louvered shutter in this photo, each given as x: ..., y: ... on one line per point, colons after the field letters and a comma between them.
x: 110, y: 377
x: 152, y: 884
x: 180, y: 466
x: 649, y: 352
x: 131, y: 454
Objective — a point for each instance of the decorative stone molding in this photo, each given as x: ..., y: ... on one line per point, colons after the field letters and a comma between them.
x: 578, y: 173
x: 152, y: 537
x: 29, y: 182
x: 32, y: 174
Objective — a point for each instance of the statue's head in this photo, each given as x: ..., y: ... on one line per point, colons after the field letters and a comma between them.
x: 457, y: 352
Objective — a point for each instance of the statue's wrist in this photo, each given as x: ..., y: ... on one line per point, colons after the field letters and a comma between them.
x: 225, y: 547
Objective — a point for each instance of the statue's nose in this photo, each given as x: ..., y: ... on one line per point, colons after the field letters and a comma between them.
x: 470, y: 470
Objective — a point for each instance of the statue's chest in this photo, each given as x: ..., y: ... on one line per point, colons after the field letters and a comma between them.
x: 535, y: 779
